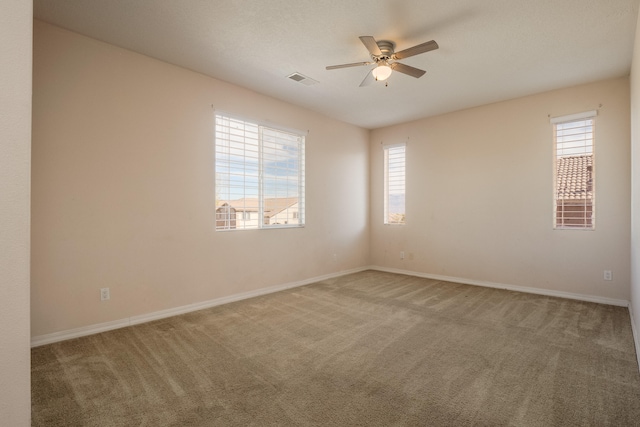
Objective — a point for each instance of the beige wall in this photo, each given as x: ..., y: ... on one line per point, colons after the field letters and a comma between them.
x: 15, y: 143
x: 123, y: 188
x: 123, y: 191
x: 479, y: 203
x: 635, y: 187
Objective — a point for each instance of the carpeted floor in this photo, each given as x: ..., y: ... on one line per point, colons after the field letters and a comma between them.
x: 367, y: 349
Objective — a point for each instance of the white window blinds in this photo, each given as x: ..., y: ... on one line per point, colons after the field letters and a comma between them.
x: 259, y: 175
x: 394, y: 184
x: 574, y: 189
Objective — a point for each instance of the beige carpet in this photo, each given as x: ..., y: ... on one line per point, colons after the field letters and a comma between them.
x: 367, y: 349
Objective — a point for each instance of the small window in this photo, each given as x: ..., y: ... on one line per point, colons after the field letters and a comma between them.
x: 394, y: 184
x: 260, y: 172
x: 574, y: 189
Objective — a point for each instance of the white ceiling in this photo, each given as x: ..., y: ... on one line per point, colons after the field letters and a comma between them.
x: 490, y: 50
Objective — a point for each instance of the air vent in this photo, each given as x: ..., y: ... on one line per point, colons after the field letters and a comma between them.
x: 301, y: 78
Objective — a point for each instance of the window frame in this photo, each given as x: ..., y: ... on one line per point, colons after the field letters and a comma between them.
x: 262, y: 221
x: 386, y: 152
x: 590, y: 183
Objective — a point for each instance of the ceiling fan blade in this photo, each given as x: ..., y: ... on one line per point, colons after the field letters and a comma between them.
x: 353, y: 64
x: 421, y: 48
x: 368, y: 79
x: 371, y: 45
x: 407, y: 69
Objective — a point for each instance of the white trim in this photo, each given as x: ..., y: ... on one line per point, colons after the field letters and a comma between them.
x: 148, y: 317
x: 78, y: 332
x: 636, y: 339
x: 572, y: 117
x: 525, y: 289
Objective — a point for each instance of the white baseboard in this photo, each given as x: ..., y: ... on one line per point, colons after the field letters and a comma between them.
x: 547, y: 292
x: 634, y: 330
x: 148, y: 317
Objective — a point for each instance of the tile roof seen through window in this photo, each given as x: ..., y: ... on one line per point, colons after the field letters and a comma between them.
x: 272, y: 205
x: 574, y: 177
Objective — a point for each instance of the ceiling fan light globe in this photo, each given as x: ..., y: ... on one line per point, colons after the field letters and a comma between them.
x: 381, y: 72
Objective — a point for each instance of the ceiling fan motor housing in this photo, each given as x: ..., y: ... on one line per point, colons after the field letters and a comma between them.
x: 387, y: 48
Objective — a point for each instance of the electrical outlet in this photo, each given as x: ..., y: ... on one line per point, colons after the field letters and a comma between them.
x: 104, y: 294
x: 608, y: 275
x: 335, y: 257
x: 401, y: 254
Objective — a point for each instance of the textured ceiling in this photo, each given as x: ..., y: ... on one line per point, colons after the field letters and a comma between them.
x: 490, y: 50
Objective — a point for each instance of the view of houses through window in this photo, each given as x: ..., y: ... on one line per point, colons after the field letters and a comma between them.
x: 394, y: 184
x: 259, y: 176
x: 574, y: 172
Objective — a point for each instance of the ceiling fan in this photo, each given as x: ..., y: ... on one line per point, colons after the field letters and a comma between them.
x: 383, y: 55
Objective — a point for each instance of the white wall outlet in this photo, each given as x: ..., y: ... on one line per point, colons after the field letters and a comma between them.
x: 608, y: 275
x: 401, y: 254
x: 104, y: 294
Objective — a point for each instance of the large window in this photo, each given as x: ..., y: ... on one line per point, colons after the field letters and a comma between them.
x: 394, y: 184
x: 259, y: 175
x: 574, y: 189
